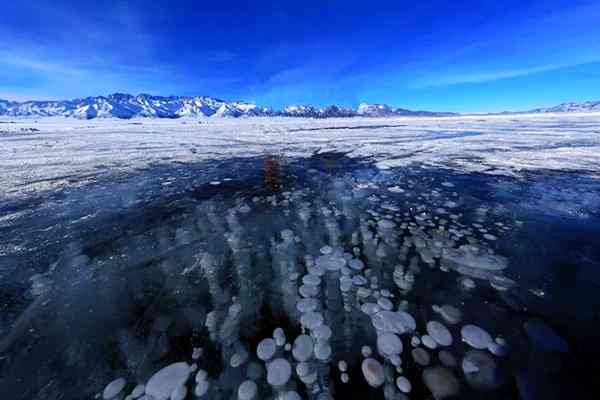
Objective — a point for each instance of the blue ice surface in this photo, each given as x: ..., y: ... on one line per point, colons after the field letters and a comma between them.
x: 114, y: 279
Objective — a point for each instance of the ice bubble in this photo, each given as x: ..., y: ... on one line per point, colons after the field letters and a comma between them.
x: 322, y: 332
x: 448, y: 184
x: 497, y: 349
x: 369, y: 308
x: 345, y: 285
x: 502, y: 283
x: 302, y: 369
x: 245, y: 209
x: 254, y: 371
x: 331, y: 262
x: 544, y: 336
x: 306, y: 305
x: 395, y: 360
x: 447, y: 359
x: 193, y: 367
x: 342, y: 365
x: 356, y: 264
x: 326, y: 250
x: 279, y: 336
x: 266, y: 349
x: 345, y: 378
x: 363, y: 292
x: 451, y: 314
x: 439, y: 333
x: 165, y: 381
x: 247, y: 390
x: 474, y: 258
x: 441, y: 382
x: 322, y: 350
x: 113, y: 388
x: 480, y: 370
x: 396, y: 322
x: 138, y: 391
x: 201, y: 388
x: 420, y: 356
x: 359, y: 280
x: 415, y: 341
x: 429, y: 342
x: 201, y: 375
x: 310, y: 279
x: 385, y: 303
x: 396, y: 189
x: 291, y: 395
x: 308, y: 291
x: 366, y: 351
x: 238, y: 358
x: 179, y: 393
x: 468, y: 283
x: 389, y: 344
x: 403, y: 384
x: 311, y: 319
x: 373, y: 372
x: 469, y: 367
x: 475, y: 336
x: 386, y: 224
x: 303, y: 348
x: 279, y: 372
x: 287, y: 347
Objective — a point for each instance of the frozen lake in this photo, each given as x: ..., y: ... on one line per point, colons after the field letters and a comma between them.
x: 293, y: 258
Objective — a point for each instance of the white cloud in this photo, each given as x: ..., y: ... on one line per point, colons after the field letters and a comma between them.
x: 490, y: 76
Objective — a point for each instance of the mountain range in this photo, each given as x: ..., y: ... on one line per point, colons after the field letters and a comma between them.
x: 119, y: 105
x: 586, y: 106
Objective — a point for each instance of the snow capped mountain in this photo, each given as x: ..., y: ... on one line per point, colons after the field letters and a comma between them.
x: 4, y: 105
x: 383, y: 110
x: 337, y: 112
x: 299, y: 111
x: 375, y: 110
x: 587, y: 106
x: 121, y: 105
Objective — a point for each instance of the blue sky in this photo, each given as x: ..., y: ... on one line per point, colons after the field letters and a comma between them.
x: 439, y: 55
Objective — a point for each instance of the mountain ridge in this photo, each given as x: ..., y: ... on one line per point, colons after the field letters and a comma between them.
x: 122, y: 105
x: 583, y: 106
x: 125, y: 106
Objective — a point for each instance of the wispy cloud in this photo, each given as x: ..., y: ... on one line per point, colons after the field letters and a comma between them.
x: 490, y: 76
x: 37, y: 65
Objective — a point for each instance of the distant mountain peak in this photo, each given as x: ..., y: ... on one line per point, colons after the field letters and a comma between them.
x: 124, y: 105
x: 571, y: 107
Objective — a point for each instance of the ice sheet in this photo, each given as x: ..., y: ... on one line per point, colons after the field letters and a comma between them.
x: 40, y: 154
